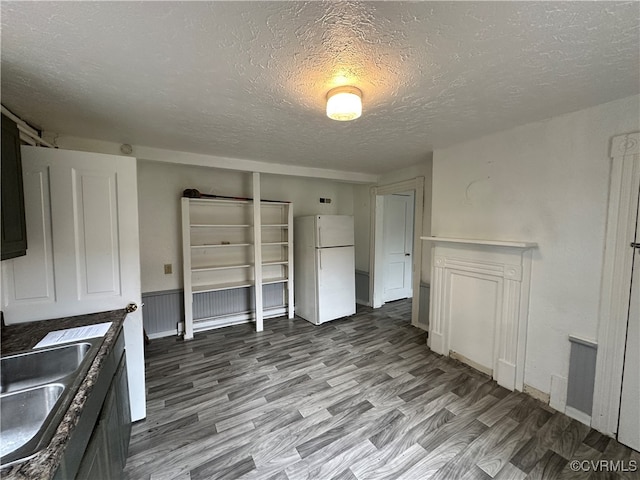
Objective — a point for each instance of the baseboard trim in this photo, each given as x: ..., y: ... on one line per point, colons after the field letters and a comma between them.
x: 505, y: 374
x: 578, y: 415
x: 168, y: 333
x: 212, y: 323
x: 537, y: 394
x: 471, y: 363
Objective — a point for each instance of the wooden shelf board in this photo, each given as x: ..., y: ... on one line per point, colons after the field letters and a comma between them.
x: 271, y: 281
x: 220, y: 267
x: 217, y: 225
x: 221, y: 286
x: 223, y: 245
x: 219, y: 201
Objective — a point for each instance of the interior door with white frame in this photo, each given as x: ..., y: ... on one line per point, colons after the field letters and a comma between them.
x: 397, y: 246
x: 629, y: 419
x: 376, y: 257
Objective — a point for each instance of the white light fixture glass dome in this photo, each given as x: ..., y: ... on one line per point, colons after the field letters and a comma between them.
x: 344, y: 103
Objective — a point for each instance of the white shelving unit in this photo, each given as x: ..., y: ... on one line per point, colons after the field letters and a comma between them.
x: 236, y: 244
x: 276, y: 224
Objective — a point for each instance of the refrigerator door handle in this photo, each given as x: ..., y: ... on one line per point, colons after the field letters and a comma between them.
x: 320, y: 236
x: 320, y: 259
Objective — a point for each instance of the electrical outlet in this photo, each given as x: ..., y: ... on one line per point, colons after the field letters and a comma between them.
x: 168, y: 269
x: 325, y: 200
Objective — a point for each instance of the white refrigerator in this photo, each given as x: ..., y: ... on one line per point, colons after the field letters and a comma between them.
x: 325, y: 286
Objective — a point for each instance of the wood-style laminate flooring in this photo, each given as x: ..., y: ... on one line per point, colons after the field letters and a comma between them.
x: 358, y: 398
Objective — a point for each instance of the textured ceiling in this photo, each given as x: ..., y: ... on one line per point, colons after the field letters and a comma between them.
x: 249, y: 79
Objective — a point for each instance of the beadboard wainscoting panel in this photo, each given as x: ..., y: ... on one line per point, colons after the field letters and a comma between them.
x: 582, y: 374
x: 165, y: 309
x: 161, y: 312
x: 236, y: 300
x: 222, y: 302
x: 362, y: 288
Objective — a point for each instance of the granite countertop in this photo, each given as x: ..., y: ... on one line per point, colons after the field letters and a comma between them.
x: 24, y: 336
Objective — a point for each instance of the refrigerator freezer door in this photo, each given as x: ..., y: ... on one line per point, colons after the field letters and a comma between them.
x: 336, y: 283
x: 334, y: 230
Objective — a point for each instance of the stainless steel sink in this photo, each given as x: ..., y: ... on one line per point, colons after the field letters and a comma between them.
x: 36, y: 389
x: 23, y: 414
x: 38, y: 367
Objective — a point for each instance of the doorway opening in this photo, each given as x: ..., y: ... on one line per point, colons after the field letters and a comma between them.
x: 395, y: 261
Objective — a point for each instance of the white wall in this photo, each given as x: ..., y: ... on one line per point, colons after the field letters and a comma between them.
x: 160, y: 186
x: 545, y: 182
x: 362, y: 225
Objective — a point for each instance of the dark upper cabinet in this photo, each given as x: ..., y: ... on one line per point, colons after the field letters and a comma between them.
x: 14, y: 228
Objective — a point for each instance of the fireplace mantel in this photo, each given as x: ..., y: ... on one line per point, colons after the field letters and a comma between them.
x: 491, y: 243
x: 480, y: 304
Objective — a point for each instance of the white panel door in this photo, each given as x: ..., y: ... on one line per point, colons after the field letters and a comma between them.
x: 336, y: 283
x: 629, y: 426
x: 86, y: 255
x: 397, y: 246
x: 334, y: 230
x: 28, y: 281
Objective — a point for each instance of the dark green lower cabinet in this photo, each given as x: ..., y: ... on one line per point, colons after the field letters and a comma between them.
x: 124, y: 410
x: 94, y: 463
x: 98, y: 447
x: 106, y: 454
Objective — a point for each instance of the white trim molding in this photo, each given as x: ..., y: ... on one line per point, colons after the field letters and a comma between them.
x: 472, y: 241
x: 616, y: 281
x: 375, y: 253
x: 500, y: 267
x: 142, y: 152
x: 227, y: 163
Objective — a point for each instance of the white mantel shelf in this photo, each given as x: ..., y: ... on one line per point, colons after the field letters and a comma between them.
x: 471, y: 241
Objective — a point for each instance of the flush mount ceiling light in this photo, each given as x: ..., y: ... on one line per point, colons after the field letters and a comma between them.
x: 344, y: 103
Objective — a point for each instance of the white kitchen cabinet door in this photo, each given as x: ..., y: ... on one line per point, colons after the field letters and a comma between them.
x: 83, y: 252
